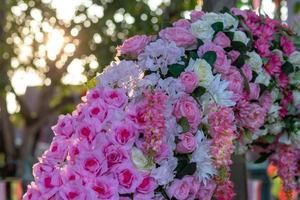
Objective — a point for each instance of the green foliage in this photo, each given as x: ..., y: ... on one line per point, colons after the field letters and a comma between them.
x: 210, y: 57
x: 183, y: 122
x: 176, y: 69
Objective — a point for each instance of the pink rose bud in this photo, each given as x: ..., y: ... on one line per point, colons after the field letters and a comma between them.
x: 222, y: 40
x: 195, y: 15
x: 189, y: 80
x: 181, y: 36
x: 187, y: 144
x: 134, y: 45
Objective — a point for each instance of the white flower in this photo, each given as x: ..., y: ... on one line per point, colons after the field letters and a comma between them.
x: 273, y: 113
x: 201, y: 156
x: 203, y: 71
x: 173, y: 87
x: 216, y: 92
x: 212, y: 17
x: 296, y: 97
x: 263, y: 78
x: 164, y: 174
x: 254, y: 61
x: 295, y: 78
x: 275, y: 128
x: 294, y: 58
x: 202, y: 30
x: 139, y: 160
x: 229, y: 21
x: 240, y: 36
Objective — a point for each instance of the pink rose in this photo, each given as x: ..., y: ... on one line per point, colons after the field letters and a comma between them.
x: 115, y: 97
x: 41, y: 168
x: 183, y: 23
x: 114, y: 154
x: 86, y: 131
x: 104, y: 187
x: 181, y: 36
x: 287, y: 45
x: 239, y: 12
x: 194, y: 185
x: 283, y: 80
x: 93, y: 95
x: 247, y: 72
x: 273, y: 65
x: 98, y: 110
x: 147, y: 185
x: 134, y: 45
x: 206, y: 191
x: 250, y: 115
x: 262, y: 47
x: 254, y: 91
x: 73, y: 191
x: 57, y: 152
x: 236, y: 82
x: 69, y: 175
x: 32, y: 193
x: 187, y: 144
x: 233, y: 55
x: 179, y: 189
x: 128, y: 178
x: 195, y: 15
x: 222, y: 40
x: 123, y: 134
x: 221, y: 64
x: 64, y: 126
x: 187, y: 107
x: 189, y: 80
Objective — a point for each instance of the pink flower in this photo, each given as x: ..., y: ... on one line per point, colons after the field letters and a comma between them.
x: 239, y: 12
x: 222, y: 40
x: 189, y: 80
x: 222, y: 64
x: 206, y: 191
x: 287, y: 45
x: 114, y: 154
x: 187, y: 107
x: 266, y: 100
x: 93, y: 95
x: 33, y: 193
x: 134, y: 45
x: 86, y: 131
x: 195, y: 15
x: 64, y: 126
x: 283, y: 80
x: 123, y: 134
x: 147, y: 185
x: 236, y: 82
x: 183, y: 23
x: 254, y: 91
x: 250, y: 115
x: 246, y: 69
x: 104, y: 187
x: 273, y: 66
x: 41, y: 168
x: 115, y: 97
x: 187, y: 144
x: 181, y: 36
x: 57, y: 152
x: 129, y: 179
x: 98, y: 110
x: 73, y: 191
x: 262, y: 47
x: 233, y: 55
x: 179, y: 189
x: 224, y: 191
x: 194, y: 186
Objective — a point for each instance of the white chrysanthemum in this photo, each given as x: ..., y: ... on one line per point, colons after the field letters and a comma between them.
x: 202, y: 30
x: 160, y: 54
x: 203, y: 71
x: 201, y: 156
x: 229, y: 21
x: 240, y: 36
x: 263, y: 78
x: 123, y: 74
x: 296, y: 97
x: 294, y: 58
x: 173, y: 87
x: 216, y: 92
x: 164, y: 174
x: 254, y: 61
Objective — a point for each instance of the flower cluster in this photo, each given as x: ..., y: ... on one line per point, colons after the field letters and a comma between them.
x: 163, y: 121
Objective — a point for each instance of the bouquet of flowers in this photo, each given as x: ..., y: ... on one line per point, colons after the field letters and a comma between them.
x: 164, y: 119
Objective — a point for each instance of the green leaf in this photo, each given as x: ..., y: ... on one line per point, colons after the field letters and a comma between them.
x: 210, y: 57
x: 239, y: 62
x: 199, y: 91
x: 268, y: 138
x: 200, y: 42
x: 184, y: 123
x: 229, y: 34
x: 263, y: 157
x: 239, y: 46
x: 218, y: 26
x: 287, y: 67
x: 188, y: 169
x: 193, y: 55
x: 176, y: 69
x: 91, y: 83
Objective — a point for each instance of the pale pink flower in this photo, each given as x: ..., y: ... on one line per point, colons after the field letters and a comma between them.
x: 233, y: 55
x: 222, y: 40
x: 183, y: 23
x: 189, y: 80
x: 273, y: 66
x: 179, y: 189
x: 287, y: 45
x: 181, y: 36
x: 196, y: 14
x: 115, y: 97
x: 207, y: 190
x: 187, y: 143
x: 104, y: 187
x: 134, y: 45
x: 114, y: 154
x: 246, y: 69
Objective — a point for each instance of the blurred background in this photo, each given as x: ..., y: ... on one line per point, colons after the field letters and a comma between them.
x: 49, y: 49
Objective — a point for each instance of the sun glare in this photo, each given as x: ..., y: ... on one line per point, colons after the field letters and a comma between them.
x: 55, y: 43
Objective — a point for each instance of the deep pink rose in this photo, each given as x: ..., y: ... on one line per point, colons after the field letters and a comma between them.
x: 64, y: 126
x: 196, y: 14
x: 123, y: 134
x: 273, y: 65
x: 73, y: 191
x: 114, y: 154
x: 183, y: 23
x: 187, y: 143
x: 147, y: 185
x: 189, y: 80
x: 93, y: 95
x: 283, y: 80
x: 287, y: 45
x: 206, y: 191
x: 222, y: 40
x: 86, y: 131
x: 104, y: 187
x: 266, y: 100
x: 187, y: 107
x: 134, y: 45
x: 179, y: 189
x: 128, y: 177
x: 115, y: 97
x: 181, y: 36
x: 98, y: 110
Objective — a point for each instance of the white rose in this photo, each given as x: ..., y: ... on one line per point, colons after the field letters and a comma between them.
x: 296, y: 95
x: 295, y: 78
x: 230, y: 21
x: 275, y: 93
x: 202, y: 30
x: 254, y: 61
x: 294, y: 58
x: 212, y: 18
x: 240, y: 36
x: 263, y: 78
x: 139, y: 160
x: 203, y: 71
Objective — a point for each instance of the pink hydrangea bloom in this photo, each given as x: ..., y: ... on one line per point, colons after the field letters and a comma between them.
x: 134, y: 45
x: 181, y: 36
x: 273, y: 66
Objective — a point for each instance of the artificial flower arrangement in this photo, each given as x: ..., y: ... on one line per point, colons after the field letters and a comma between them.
x: 165, y: 118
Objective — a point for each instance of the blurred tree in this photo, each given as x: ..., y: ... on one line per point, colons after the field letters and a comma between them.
x: 58, y: 44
